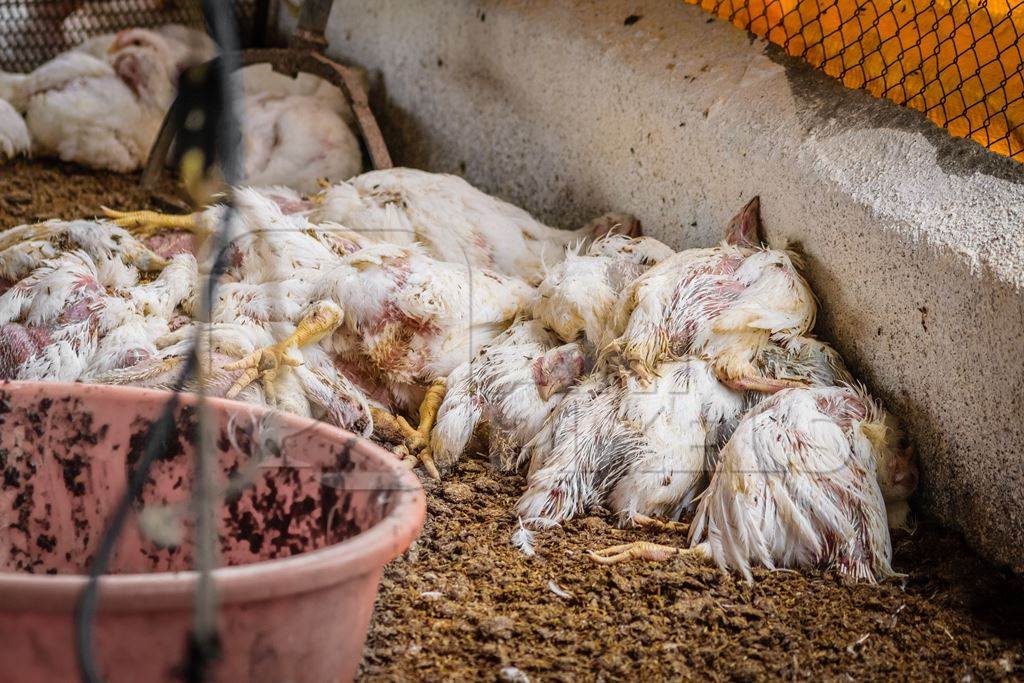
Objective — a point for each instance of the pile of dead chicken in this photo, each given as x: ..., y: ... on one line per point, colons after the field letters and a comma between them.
x: 620, y: 372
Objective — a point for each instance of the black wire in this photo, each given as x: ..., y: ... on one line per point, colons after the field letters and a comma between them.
x: 221, y: 20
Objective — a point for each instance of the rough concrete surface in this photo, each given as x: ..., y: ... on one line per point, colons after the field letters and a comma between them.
x: 914, y: 239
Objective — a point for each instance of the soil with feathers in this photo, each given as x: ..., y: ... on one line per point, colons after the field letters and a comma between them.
x: 464, y: 604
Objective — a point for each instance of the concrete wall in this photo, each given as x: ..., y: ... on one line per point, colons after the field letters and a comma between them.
x: 915, y: 239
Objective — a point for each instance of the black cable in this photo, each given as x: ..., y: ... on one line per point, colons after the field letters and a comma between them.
x: 220, y: 19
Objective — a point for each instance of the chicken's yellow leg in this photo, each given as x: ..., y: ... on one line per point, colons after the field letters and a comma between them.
x: 147, y: 223
x: 659, y: 524
x: 418, y: 443
x: 744, y: 376
x: 639, y: 550
x: 264, y: 364
x: 428, y: 413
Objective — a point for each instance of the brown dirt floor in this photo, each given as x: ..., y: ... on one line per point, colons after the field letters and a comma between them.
x: 32, y: 191
x: 464, y: 604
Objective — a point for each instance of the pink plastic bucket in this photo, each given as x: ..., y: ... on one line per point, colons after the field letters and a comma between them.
x: 302, y: 548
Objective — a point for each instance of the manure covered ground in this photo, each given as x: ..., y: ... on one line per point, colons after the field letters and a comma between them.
x: 463, y: 604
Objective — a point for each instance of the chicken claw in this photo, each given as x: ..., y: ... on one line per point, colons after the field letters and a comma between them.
x: 659, y: 524
x: 414, y: 449
x: 428, y: 415
x: 637, y: 550
x: 148, y: 223
x: 392, y: 428
x: 265, y: 364
x: 424, y: 457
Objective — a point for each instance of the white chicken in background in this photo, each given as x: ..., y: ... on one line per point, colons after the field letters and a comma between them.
x: 722, y: 303
x: 455, y: 222
x: 805, y: 481
x: 15, y: 139
x: 102, y: 111
x: 101, y: 104
x: 296, y: 132
x: 87, y: 15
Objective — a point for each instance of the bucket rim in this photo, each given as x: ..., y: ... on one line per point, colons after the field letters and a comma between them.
x: 360, y: 555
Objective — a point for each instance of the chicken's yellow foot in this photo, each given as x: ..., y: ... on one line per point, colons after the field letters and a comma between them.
x: 659, y: 524
x: 391, y: 428
x: 637, y: 550
x: 428, y: 414
x: 147, y: 223
x: 265, y: 364
x: 642, y: 356
x: 425, y: 457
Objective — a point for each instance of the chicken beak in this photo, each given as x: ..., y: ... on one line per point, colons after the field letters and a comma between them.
x: 545, y: 391
x: 115, y: 44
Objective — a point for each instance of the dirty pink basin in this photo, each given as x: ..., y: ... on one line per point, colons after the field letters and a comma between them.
x: 302, y: 548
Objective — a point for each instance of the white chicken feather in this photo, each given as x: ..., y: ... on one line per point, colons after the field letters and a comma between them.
x: 723, y: 303
x: 511, y: 386
x: 798, y: 485
x: 577, y: 296
x: 644, y: 451
x: 454, y: 221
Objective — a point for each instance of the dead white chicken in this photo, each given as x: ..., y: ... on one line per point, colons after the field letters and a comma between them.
x: 577, y: 296
x: 515, y: 382
x: 511, y: 386
x: 25, y: 247
x: 805, y: 480
x: 455, y: 222
x: 800, y: 359
x: 296, y: 132
x: 81, y: 313
x: 392, y: 320
x: 409, y: 320
x: 575, y: 458
x: 644, y: 451
x: 102, y: 111
x: 72, y: 317
x: 270, y: 219
x: 313, y: 386
x: 723, y: 303
x: 684, y: 418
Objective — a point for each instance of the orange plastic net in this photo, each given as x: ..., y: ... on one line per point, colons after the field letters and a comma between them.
x: 958, y: 62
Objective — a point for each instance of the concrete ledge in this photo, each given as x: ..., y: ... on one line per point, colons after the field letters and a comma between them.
x: 915, y: 239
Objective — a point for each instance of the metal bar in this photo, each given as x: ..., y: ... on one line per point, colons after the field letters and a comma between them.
x: 352, y: 88
x: 309, y: 34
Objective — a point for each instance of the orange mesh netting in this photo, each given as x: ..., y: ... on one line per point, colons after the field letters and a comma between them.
x: 958, y: 62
